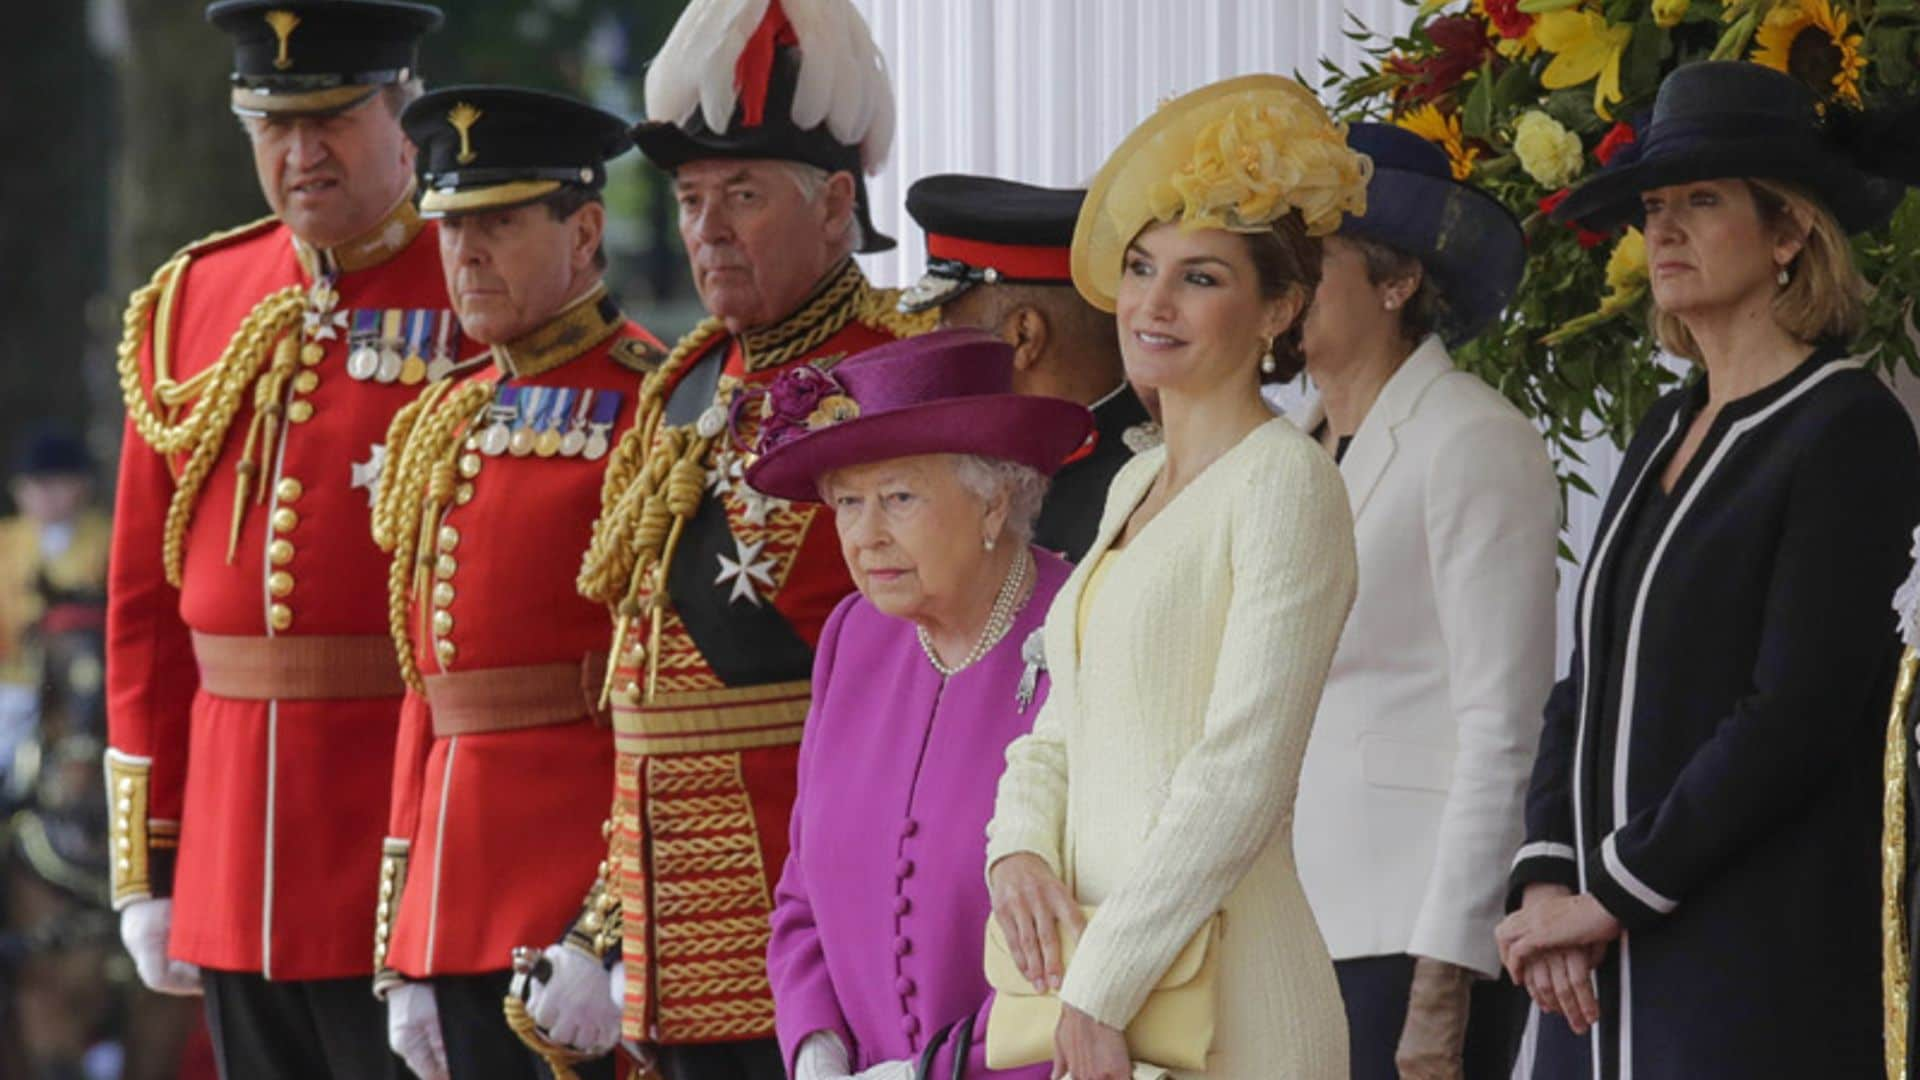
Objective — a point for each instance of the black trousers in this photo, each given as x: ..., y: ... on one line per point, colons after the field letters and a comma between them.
x: 480, y: 1045
x: 755, y: 1060
x: 1375, y: 990
x: 323, y: 1029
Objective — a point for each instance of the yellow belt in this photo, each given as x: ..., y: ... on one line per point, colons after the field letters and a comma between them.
x: 706, y: 721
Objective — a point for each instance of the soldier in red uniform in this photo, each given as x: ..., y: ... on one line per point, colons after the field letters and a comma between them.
x: 719, y: 593
x: 488, y: 497
x: 253, y: 696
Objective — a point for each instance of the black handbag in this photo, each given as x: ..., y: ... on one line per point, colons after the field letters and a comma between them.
x: 961, y: 1031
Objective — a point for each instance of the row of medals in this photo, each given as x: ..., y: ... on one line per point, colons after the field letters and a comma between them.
x: 583, y: 438
x: 391, y: 360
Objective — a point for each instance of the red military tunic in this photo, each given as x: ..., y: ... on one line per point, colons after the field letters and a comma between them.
x: 503, y: 771
x: 273, y: 789
x: 707, y: 759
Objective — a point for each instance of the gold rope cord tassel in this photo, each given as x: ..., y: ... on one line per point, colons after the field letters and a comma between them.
x: 1896, y: 966
x: 558, y: 1058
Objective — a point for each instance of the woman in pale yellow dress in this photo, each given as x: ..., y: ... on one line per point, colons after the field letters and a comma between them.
x: 1188, y: 650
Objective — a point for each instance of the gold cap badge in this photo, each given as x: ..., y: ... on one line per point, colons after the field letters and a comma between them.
x: 463, y: 116
x: 283, y: 23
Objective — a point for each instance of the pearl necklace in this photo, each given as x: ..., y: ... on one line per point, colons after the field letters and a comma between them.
x: 1005, y: 606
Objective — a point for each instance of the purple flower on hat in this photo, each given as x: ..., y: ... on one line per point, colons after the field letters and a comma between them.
x: 790, y: 404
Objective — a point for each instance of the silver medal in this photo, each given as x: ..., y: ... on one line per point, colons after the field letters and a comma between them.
x: 363, y: 362
x: 390, y: 364
x: 596, y: 447
x: 493, y: 442
x: 712, y: 422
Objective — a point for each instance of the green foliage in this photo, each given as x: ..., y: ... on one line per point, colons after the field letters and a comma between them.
x: 1598, y: 377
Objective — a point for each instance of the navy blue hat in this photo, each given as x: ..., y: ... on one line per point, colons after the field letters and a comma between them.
x: 1472, y: 248
x: 489, y: 147
x: 985, y: 230
x: 312, y: 57
x: 1725, y: 119
x: 53, y: 452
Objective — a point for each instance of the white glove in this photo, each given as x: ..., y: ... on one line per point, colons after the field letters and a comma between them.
x: 822, y: 1056
x: 887, y: 1070
x: 574, y: 1007
x: 617, y: 984
x: 413, y: 1030
x: 144, y: 925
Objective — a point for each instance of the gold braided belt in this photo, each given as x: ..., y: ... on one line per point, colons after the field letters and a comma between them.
x: 711, y: 721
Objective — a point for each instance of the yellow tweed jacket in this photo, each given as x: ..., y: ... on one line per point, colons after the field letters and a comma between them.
x: 1160, y: 776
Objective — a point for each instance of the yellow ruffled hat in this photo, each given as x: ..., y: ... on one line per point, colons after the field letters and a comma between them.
x: 1237, y: 155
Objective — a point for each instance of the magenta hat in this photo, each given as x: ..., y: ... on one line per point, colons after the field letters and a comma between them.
x: 944, y: 392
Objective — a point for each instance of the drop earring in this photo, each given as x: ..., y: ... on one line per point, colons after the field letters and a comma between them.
x: 1784, y: 277
x: 1268, y: 365
x: 988, y: 543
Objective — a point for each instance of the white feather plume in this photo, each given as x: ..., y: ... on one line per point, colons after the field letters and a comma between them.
x: 694, y: 69
x: 843, y: 78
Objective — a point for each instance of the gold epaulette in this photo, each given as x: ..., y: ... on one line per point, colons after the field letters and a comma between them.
x: 193, y: 416
x: 879, y: 310
x: 417, y: 481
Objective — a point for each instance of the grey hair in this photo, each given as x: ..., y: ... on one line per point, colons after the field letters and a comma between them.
x: 1023, y: 486
x: 812, y: 180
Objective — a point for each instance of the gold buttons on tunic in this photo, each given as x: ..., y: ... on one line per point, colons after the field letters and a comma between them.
x: 444, y: 566
x: 443, y: 622
x: 285, y: 519
x: 449, y: 538
x: 445, y: 651
x: 288, y: 490
x: 279, y: 616
x: 443, y: 594
x: 300, y: 412
x: 304, y: 382
x: 469, y: 465
x: 279, y: 583
x: 280, y: 553
x: 463, y: 494
x: 311, y: 354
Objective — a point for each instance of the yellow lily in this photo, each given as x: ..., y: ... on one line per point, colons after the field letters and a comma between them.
x: 1584, y: 47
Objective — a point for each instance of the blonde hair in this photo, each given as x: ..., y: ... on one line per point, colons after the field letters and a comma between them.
x: 1825, y: 295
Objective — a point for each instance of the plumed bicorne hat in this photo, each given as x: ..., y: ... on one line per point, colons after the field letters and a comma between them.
x: 943, y: 392
x: 790, y: 80
x: 1726, y: 119
x: 1472, y: 248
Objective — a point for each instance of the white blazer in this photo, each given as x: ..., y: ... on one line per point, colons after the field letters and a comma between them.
x: 1409, y: 809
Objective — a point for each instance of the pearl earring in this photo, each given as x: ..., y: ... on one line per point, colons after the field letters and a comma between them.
x: 988, y: 543
x: 1392, y: 304
x: 1784, y: 277
x: 1268, y: 365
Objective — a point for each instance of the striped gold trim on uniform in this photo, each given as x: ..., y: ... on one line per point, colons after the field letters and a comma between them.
x: 711, y: 721
x: 129, y: 789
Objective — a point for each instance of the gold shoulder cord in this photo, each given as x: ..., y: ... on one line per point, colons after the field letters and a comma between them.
x: 652, y: 487
x: 211, y: 397
x: 879, y: 309
x: 417, y: 482
x: 1896, y: 966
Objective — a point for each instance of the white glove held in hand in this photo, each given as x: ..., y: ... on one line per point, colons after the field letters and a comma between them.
x: 413, y: 1030
x: 144, y: 925
x: 822, y: 1056
x: 574, y: 1006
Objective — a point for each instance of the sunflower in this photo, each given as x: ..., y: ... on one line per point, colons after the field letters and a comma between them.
x: 1428, y: 122
x: 1815, y: 42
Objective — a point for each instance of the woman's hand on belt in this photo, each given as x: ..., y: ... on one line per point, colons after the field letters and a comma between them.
x: 1086, y: 1049
x: 1032, y: 904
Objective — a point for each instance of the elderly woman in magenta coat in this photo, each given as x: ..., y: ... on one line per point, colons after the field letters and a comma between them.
x: 934, y: 472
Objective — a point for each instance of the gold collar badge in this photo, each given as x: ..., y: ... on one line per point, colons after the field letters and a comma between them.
x: 283, y: 23
x: 463, y: 116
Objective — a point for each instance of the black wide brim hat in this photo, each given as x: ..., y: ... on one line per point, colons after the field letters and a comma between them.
x: 1729, y: 119
x: 314, y: 57
x: 776, y: 137
x: 1473, y: 249
x: 494, y: 147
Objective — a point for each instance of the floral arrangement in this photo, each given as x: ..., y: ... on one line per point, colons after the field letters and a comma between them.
x: 1529, y: 97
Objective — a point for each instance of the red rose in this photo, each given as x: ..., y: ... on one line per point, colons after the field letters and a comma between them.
x: 1616, y: 140
x: 1507, y: 18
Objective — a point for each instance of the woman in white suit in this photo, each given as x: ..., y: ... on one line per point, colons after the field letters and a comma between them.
x: 1410, y: 796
